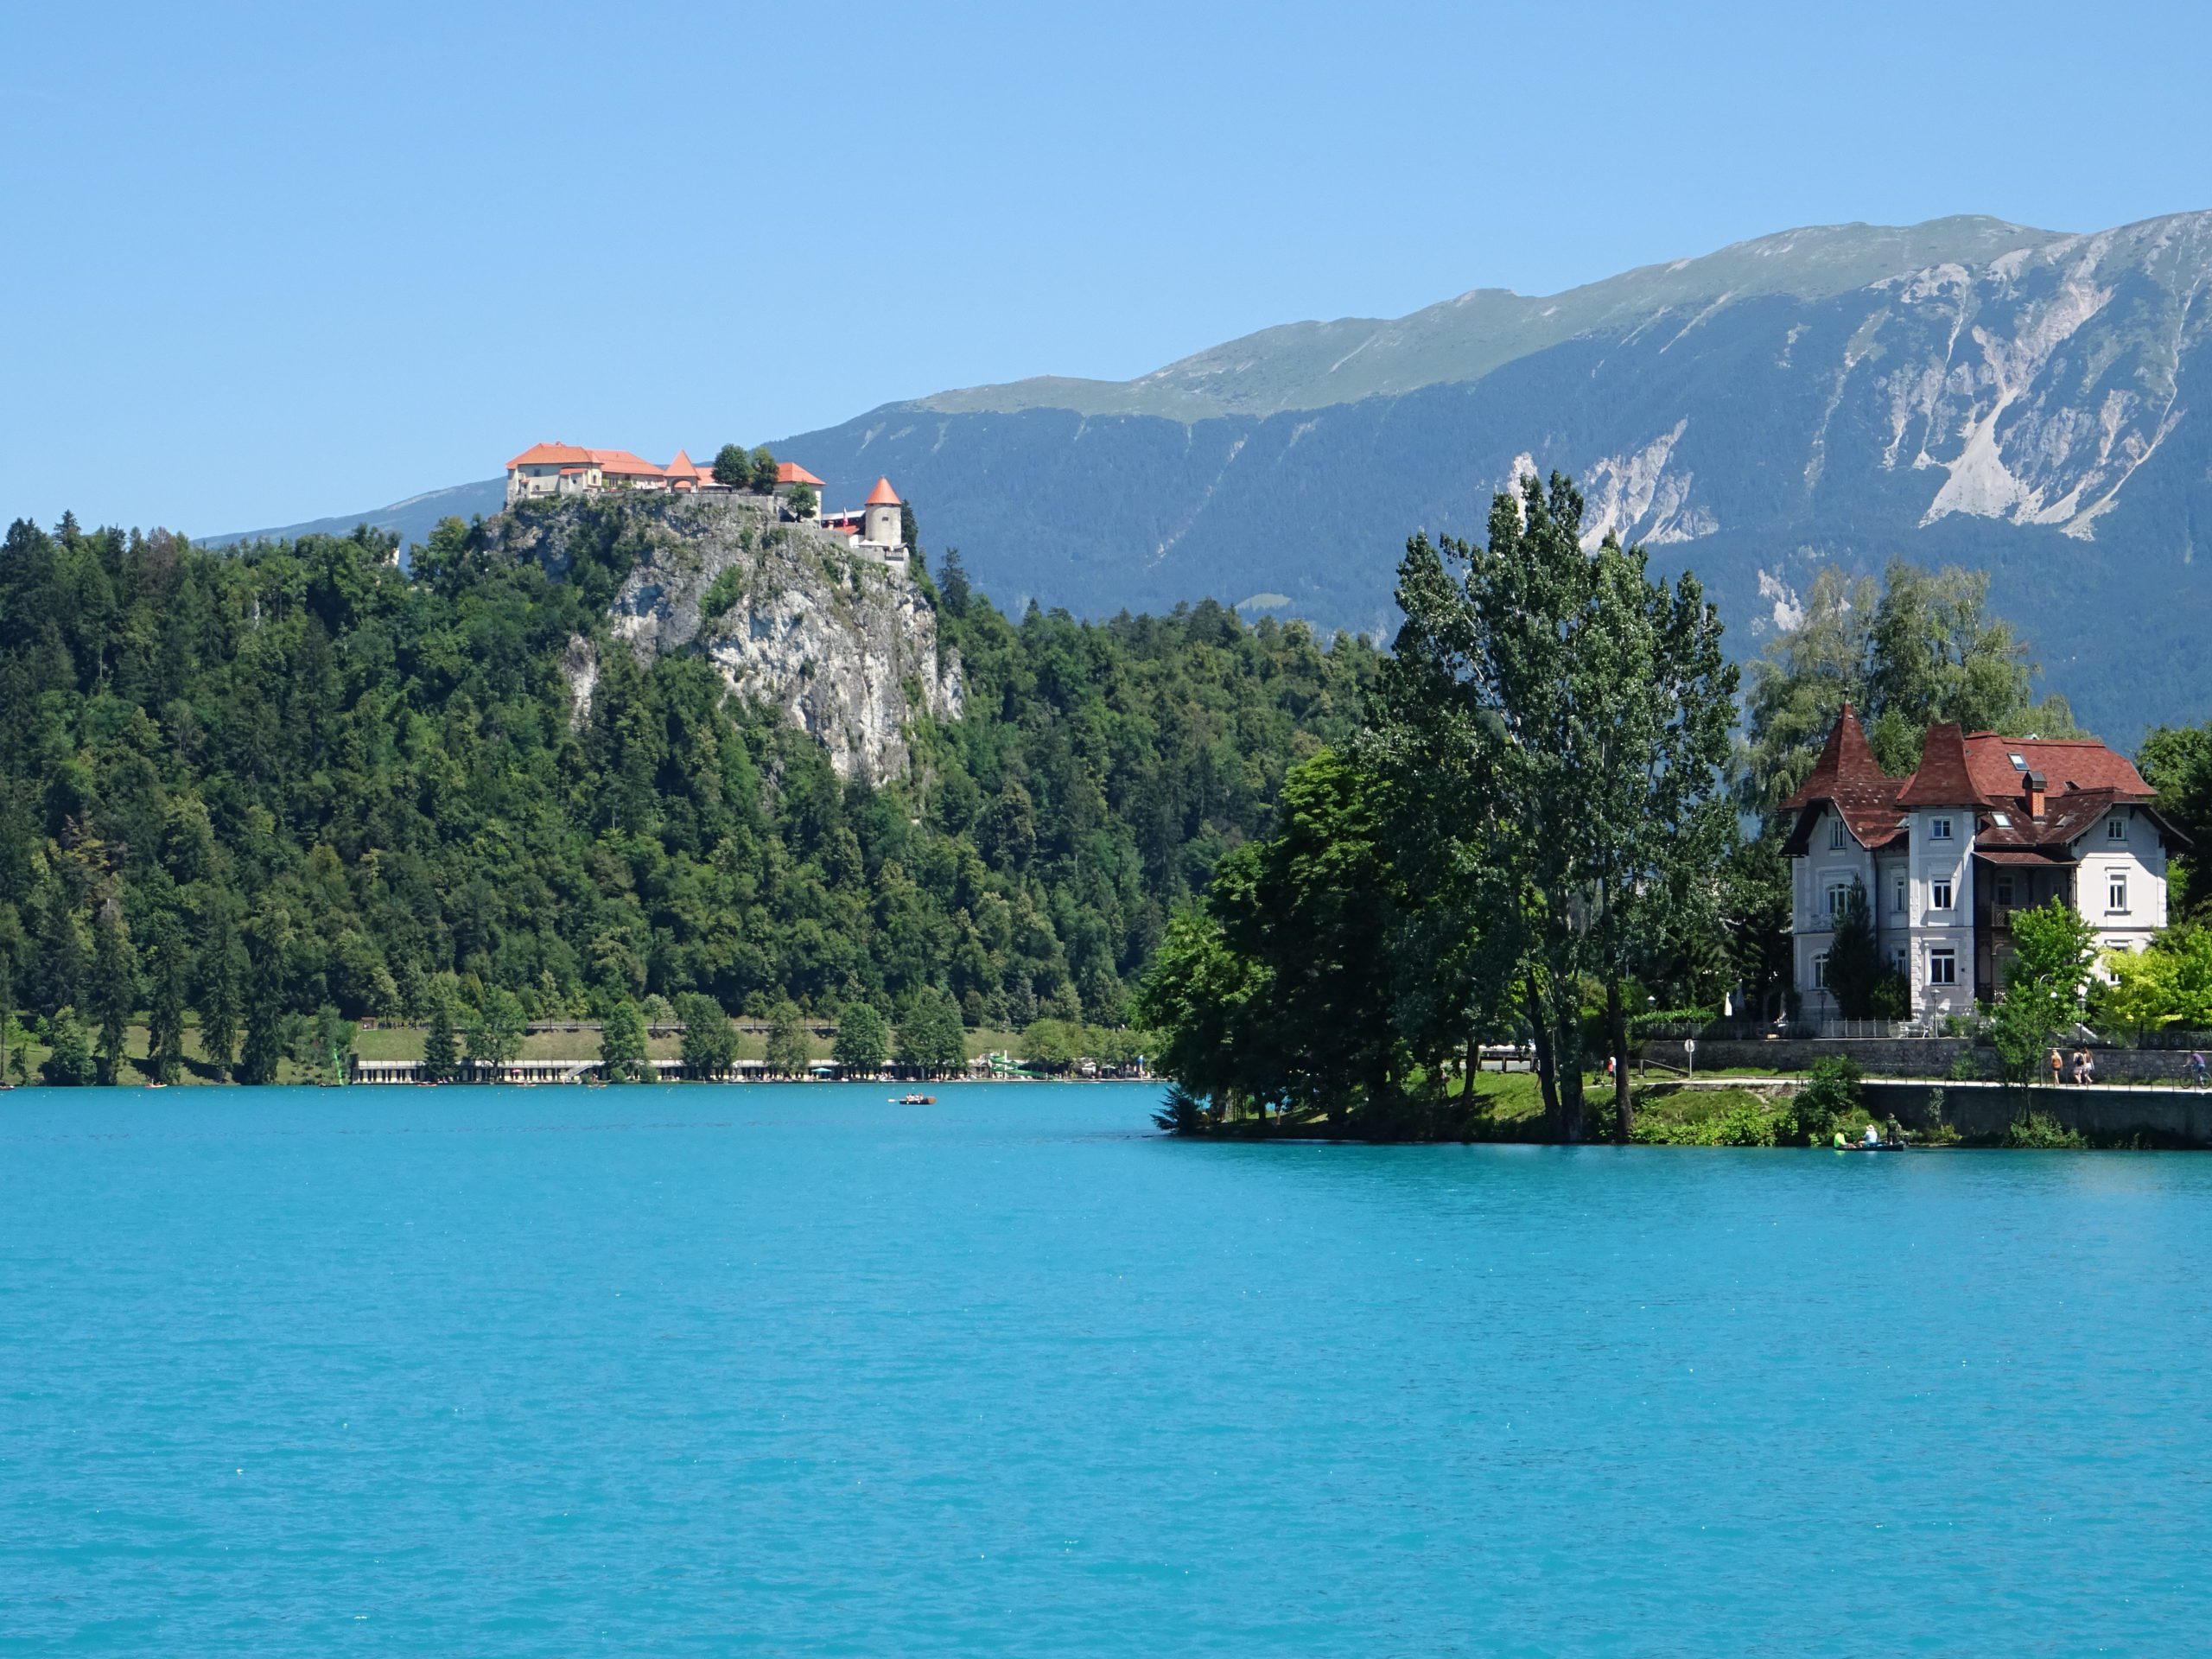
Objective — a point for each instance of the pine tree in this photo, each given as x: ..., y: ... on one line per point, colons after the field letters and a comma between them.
x: 265, y: 1029
x: 115, y: 986
x: 220, y: 986
x: 61, y: 956
x: 7, y: 997
x: 166, y: 995
x: 439, y: 1059
x: 622, y: 1042
x: 268, y: 1021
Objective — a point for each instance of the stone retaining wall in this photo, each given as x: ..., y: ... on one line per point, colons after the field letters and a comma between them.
x: 1907, y: 1057
x: 1983, y: 1111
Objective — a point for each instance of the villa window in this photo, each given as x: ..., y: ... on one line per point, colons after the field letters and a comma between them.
x: 1821, y: 971
x: 1942, y: 968
x: 1837, y: 839
x: 2116, y: 891
x: 1839, y: 898
x: 1939, y: 895
x: 1939, y: 828
x: 2004, y: 889
x: 1897, y: 903
x: 2115, y: 828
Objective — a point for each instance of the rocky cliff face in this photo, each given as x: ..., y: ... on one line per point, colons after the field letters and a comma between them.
x: 846, y: 648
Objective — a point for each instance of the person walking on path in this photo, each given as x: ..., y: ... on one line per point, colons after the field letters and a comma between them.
x: 2055, y: 1064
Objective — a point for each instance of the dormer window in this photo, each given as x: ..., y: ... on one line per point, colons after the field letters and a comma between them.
x: 1939, y: 828
x: 1837, y: 837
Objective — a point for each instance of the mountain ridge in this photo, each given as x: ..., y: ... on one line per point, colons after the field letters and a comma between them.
x: 1966, y: 390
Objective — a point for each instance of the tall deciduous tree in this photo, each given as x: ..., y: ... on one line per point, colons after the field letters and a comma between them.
x: 786, y: 1053
x: 1915, y: 646
x: 496, y: 1028
x: 931, y: 1039
x: 2053, y: 947
x: 733, y: 466
x: 863, y: 1039
x: 709, y: 1039
x: 1581, y: 710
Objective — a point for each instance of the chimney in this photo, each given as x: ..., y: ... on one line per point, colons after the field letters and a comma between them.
x: 2036, y: 785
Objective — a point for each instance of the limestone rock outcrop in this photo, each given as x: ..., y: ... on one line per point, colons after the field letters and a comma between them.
x: 844, y: 647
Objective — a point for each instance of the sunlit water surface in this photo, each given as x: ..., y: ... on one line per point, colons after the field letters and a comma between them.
x: 793, y: 1370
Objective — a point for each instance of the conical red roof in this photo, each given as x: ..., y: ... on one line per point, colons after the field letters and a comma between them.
x: 883, y: 495
x: 1944, y: 776
x: 1846, y: 759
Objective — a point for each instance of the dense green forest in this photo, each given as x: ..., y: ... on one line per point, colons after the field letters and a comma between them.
x: 243, y: 788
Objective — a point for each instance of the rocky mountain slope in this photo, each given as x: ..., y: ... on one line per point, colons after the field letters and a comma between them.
x: 2028, y: 401
x: 2033, y: 402
x: 845, y: 647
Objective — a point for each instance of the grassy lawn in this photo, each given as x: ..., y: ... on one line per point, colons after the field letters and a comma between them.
x: 405, y: 1043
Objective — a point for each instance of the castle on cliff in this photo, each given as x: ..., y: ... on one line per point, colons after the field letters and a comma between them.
x: 875, y: 528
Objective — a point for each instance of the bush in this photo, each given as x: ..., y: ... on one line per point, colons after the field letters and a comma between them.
x: 724, y: 591
x: 1181, y: 1113
x: 70, y: 1066
x: 2037, y: 1132
x: 1741, y: 1120
x: 1831, y: 1093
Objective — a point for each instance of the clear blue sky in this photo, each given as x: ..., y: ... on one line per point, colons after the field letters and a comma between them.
x: 264, y: 262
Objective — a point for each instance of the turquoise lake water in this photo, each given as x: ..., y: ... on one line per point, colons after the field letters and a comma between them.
x: 790, y: 1370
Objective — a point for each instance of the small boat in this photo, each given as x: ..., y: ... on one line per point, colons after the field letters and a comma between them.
x: 912, y: 1100
x: 1874, y: 1145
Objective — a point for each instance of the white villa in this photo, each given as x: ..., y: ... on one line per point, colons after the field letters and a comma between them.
x: 876, y: 528
x: 1987, y: 825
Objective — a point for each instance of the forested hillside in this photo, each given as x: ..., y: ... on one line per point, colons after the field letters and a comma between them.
x: 259, y: 783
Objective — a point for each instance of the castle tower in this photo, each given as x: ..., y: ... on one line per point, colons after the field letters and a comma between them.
x: 880, y: 518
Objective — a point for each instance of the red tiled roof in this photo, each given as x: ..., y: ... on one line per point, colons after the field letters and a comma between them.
x: 883, y: 495
x: 683, y: 467
x: 551, y: 454
x: 622, y: 464
x: 2080, y: 763
x: 2084, y: 780
x: 790, y: 472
